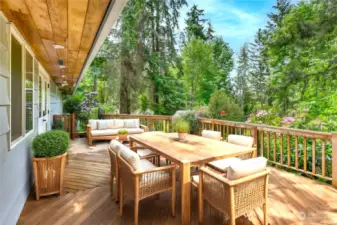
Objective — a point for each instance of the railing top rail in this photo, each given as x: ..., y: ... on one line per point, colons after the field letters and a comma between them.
x: 140, y: 116
x: 227, y: 122
x: 295, y: 132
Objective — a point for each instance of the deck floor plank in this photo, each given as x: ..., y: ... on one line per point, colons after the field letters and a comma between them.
x: 292, y: 199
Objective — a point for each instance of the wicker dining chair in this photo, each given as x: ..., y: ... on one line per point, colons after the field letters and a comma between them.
x: 114, y: 150
x: 143, y: 183
x: 223, y: 164
x: 234, y: 198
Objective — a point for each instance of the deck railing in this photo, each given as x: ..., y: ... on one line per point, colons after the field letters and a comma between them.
x: 309, y: 152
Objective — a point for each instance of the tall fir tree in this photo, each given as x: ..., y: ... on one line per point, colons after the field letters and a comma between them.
x: 260, y: 71
x: 210, y: 31
x: 282, y: 8
x: 195, y: 24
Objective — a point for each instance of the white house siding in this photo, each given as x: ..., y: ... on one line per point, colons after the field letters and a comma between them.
x: 16, y: 177
x: 55, y: 102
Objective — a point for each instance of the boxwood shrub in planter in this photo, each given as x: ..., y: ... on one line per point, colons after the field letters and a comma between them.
x: 49, y: 150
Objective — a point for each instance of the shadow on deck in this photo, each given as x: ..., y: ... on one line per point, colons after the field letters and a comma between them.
x: 292, y: 199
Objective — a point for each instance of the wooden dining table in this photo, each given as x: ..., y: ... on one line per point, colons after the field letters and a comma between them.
x: 194, y: 151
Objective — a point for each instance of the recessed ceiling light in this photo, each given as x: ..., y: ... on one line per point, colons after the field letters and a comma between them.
x: 58, y: 46
x: 62, y: 66
x: 63, y: 76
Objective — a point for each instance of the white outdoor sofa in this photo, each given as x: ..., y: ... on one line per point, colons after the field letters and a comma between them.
x: 107, y: 129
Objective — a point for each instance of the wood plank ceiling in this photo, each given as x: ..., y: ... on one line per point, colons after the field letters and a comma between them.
x: 72, y: 24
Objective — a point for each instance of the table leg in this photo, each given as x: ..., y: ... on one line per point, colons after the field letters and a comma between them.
x: 132, y: 144
x: 185, y: 193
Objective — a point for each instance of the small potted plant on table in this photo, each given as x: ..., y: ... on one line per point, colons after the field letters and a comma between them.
x: 49, y: 151
x: 182, y: 127
x: 122, y: 135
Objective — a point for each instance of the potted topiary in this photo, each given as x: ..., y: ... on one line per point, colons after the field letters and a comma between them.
x: 182, y: 127
x: 49, y: 151
x: 122, y: 135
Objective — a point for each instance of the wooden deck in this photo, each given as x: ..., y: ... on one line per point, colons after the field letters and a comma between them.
x: 292, y: 199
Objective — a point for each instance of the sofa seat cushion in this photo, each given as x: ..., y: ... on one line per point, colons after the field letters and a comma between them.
x: 223, y: 164
x: 134, y: 130
x: 246, y: 167
x: 107, y: 132
x: 216, y: 135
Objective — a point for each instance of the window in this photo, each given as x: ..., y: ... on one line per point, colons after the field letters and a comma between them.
x: 16, y: 89
x: 29, y: 92
x: 40, y: 97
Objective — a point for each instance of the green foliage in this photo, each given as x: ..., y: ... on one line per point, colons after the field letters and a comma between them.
x: 144, y: 103
x: 72, y: 104
x: 181, y: 126
x: 195, y: 24
x: 50, y: 144
x: 123, y: 132
x: 58, y: 124
x: 192, y: 121
x: 222, y: 106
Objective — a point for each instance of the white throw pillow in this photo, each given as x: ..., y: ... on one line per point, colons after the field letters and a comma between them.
x: 93, y: 124
x: 241, y: 140
x: 216, y: 135
x: 102, y: 125
x: 131, y: 123
x: 116, y: 146
x: 246, y: 167
x: 130, y: 157
x: 110, y: 124
x: 118, y: 124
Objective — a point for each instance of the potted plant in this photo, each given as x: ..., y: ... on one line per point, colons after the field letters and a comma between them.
x: 122, y: 135
x: 182, y: 127
x: 49, y: 158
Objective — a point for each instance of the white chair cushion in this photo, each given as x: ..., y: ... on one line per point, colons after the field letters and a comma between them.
x: 146, y: 165
x: 195, y: 179
x: 241, y: 140
x: 116, y: 146
x: 110, y: 124
x: 131, y: 157
x: 93, y: 124
x: 216, y: 135
x: 131, y: 123
x: 134, y: 130
x: 144, y: 152
x: 223, y: 164
x: 246, y: 167
x: 118, y: 124
x: 102, y: 125
x: 107, y: 132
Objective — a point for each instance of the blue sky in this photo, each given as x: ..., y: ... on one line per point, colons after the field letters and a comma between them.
x: 235, y: 20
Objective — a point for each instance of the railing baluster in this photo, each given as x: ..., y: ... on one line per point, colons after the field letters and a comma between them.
x: 268, y: 145
x: 288, y: 148
x: 281, y: 148
x: 296, y: 152
x: 274, y: 147
x: 313, y: 155
x: 262, y: 143
x: 305, y: 154
x: 323, y: 157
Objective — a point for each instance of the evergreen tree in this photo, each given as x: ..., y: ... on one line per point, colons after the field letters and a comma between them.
x: 259, y: 68
x: 282, y: 8
x: 195, y: 23
x: 210, y: 31
x: 240, y: 80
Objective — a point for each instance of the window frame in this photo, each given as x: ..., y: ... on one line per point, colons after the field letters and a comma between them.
x: 13, y: 32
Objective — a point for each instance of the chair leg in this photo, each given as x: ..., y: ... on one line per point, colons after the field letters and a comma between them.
x: 265, y: 214
x: 136, y: 211
x: 117, y: 192
x: 201, y: 206
x: 121, y: 193
x: 112, y: 184
x: 173, y: 194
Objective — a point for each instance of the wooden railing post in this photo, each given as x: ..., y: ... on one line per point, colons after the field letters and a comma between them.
x: 150, y: 124
x: 72, y: 126
x: 334, y: 158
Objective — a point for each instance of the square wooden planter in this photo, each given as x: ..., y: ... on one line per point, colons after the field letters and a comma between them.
x: 48, y: 174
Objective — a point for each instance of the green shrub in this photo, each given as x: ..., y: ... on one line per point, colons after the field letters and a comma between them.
x: 181, y: 126
x: 193, y: 122
x: 222, y: 106
x: 121, y: 132
x: 50, y: 144
x: 72, y: 104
